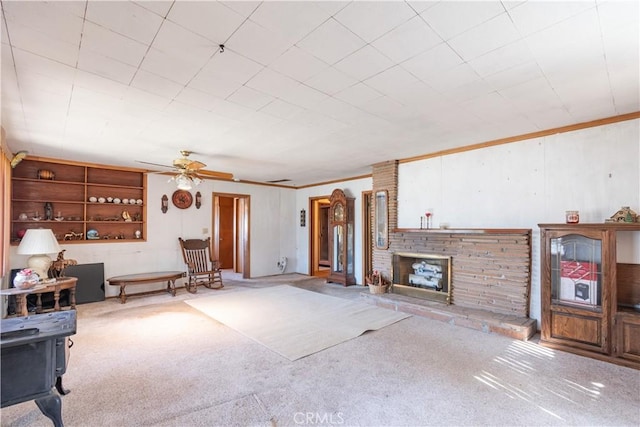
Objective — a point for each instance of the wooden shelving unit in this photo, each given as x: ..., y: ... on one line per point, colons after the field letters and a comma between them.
x: 588, y: 298
x: 69, y: 188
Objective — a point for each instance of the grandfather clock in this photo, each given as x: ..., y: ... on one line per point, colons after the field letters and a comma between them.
x: 341, y: 239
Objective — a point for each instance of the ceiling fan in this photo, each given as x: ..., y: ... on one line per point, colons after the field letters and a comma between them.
x: 190, y: 172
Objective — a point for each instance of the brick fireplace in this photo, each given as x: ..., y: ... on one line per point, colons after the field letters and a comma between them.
x: 489, y: 270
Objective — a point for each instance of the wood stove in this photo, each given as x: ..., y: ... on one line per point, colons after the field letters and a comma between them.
x: 34, y: 357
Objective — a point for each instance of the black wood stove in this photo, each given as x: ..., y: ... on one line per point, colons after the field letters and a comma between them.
x: 34, y: 356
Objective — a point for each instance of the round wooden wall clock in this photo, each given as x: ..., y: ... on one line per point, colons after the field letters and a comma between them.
x: 182, y: 199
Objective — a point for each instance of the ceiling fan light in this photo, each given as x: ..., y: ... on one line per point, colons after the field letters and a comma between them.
x: 183, y: 182
x: 196, y: 180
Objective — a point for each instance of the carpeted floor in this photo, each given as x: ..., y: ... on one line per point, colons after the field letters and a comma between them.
x: 158, y: 361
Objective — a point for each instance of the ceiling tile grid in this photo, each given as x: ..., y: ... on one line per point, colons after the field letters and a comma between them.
x: 376, y: 80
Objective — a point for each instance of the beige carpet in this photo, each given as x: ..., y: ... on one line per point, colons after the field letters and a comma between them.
x: 295, y: 322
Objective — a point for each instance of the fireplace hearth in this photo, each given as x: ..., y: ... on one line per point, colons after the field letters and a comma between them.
x: 421, y: 275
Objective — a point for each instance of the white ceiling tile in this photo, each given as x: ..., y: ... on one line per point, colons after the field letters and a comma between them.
x: 407, y: 40
x: 490, y: 35
x: 384, y: 107
x: 28, y: 63
x: 381, y: 17
x: 332, y: 7
x: 126, y: 18
x: 298, y: 64
x: 159, y: 7
x: 514, y: 76
x: 560, y: 37
x: 418, y: 94
x: 156, y: 85
x: 453, y: 78
x: 303, y: 96
x: 209, y: 19
x: 256, y: 42
x: 502, y: 58
x: 331, y: 81
x: 533, y: 95
x: 281, y: 109
x: 213, y: 84
x: 244, y: 8
x: 468, y: 91
x: 104, y: 42
x: 105, y: 67
x: 391, y: 81
x: 175, y: 69
x: 450, y: 18
x: 231, y: 66
x: 250, y: 98
x: 331, y: 42
x: 358, y: 94
x: 271, y: 82
x: 181, y: 43
x: 196, y: 98
x: 420, y: 5
x: 228, y: 109
x: 292, y: 23
x: 99, y: 84
x: 433, y: 61
x: 43, y: 45
x: 533, y: 16
x: 364, y: 63
x: 622, y: 48
x: 549, y: 117
x: 47, y: 18
x: 140, y: 98
x: 490, y: 107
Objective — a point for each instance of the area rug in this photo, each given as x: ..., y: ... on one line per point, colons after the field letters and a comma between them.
x: 295, y: 322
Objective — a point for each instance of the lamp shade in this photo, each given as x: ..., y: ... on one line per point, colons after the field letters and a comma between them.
x: 38, y: 241
x: 183, y: 182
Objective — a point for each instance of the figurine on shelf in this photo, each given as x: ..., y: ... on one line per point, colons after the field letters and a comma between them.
x: 625, y: 214
x: 48, y: 211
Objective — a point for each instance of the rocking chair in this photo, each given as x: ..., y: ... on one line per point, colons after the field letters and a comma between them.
x: 201, y: 268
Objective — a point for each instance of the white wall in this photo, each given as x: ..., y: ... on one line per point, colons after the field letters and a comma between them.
x: 523, y: 184
x: 353, y: 188
x: 272, y: 224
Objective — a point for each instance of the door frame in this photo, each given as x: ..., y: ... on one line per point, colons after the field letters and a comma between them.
x: 314, y: 235
x: 241, y: 234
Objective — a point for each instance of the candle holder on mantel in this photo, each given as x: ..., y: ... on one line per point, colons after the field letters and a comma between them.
x: 428, y: 217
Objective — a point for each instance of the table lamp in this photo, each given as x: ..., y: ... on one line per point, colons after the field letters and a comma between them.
x: 38, y: 242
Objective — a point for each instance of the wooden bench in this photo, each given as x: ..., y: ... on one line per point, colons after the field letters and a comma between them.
x: 141, y: 278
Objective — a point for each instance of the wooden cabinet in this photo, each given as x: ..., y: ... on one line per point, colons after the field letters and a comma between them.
x: 341, y: 239
x: 79, y: 202
x: 588, y: 298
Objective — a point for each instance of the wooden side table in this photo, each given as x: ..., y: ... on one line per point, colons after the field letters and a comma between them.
x: 55, y: 287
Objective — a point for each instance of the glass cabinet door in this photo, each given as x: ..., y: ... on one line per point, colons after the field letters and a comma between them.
x: 576, y: 271
x: 350, y: 242
x: 338, y: 243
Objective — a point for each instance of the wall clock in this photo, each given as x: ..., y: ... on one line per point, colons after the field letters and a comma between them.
x: 182, y: 199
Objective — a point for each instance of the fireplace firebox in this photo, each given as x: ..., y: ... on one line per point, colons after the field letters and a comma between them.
x: 423, y: 276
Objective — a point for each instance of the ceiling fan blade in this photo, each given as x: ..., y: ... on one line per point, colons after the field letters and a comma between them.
x: 195, y: 165
x: 215, y: 174
x: 155, y: 164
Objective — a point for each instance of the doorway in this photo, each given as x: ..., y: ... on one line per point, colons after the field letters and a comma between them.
x: 319, y: 264
x: 230, y: 226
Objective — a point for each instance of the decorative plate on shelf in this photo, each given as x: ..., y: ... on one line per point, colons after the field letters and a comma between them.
x: 182, y: 199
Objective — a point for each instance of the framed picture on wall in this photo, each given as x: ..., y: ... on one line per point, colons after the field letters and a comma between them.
x: 381, y: 206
